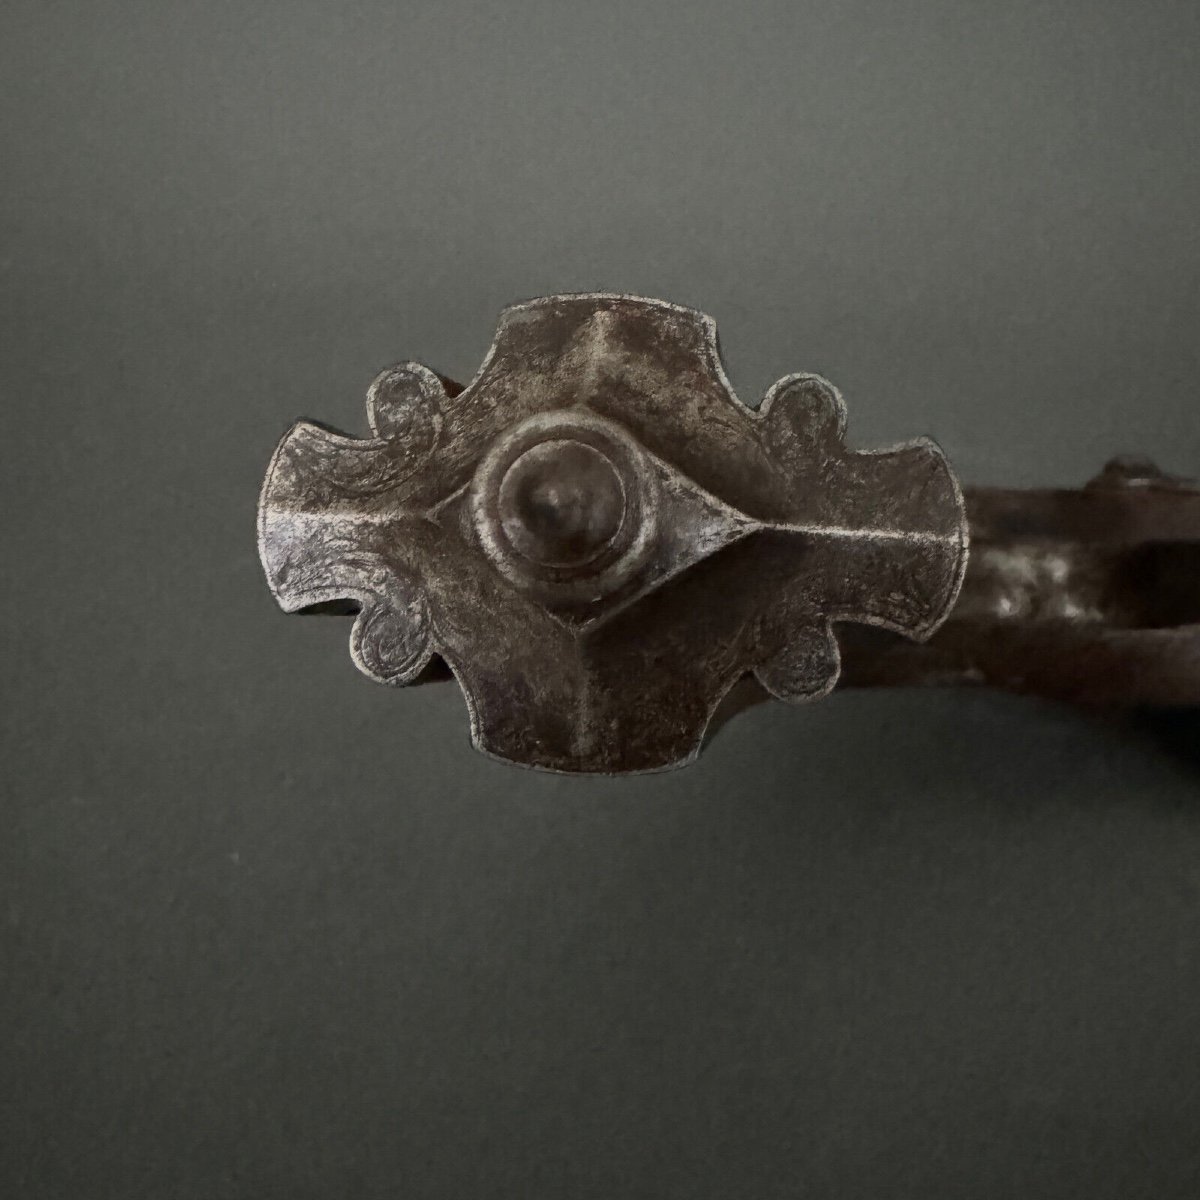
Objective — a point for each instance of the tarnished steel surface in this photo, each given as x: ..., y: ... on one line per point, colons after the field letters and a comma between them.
x: 1089, y: 595
x: 600, y: 539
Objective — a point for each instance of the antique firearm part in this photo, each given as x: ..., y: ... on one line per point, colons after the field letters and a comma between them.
x: 600, y: 540
x: 1089, y: 595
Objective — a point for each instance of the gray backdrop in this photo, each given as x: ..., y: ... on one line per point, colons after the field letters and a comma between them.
x: 269, y: 931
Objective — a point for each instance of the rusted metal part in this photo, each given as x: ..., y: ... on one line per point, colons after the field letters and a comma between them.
x: 1089, y: 595
x: 600, y: 541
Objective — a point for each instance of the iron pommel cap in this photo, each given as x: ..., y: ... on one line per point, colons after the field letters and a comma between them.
x: 599, y: 539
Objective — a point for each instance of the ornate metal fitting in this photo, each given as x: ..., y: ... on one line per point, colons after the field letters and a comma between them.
x: 599, y: 539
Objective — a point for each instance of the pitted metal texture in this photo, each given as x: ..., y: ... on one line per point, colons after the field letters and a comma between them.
x: 600, y: 539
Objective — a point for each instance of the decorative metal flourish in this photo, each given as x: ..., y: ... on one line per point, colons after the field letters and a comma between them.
x: 600, y: 539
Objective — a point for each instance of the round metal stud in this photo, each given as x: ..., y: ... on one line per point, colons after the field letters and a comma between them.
x: 564, y: 505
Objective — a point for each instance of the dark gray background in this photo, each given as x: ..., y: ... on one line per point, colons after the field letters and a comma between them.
x: 269, y: 931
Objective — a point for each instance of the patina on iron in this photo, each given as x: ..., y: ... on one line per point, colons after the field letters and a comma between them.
x: 599, y: 539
